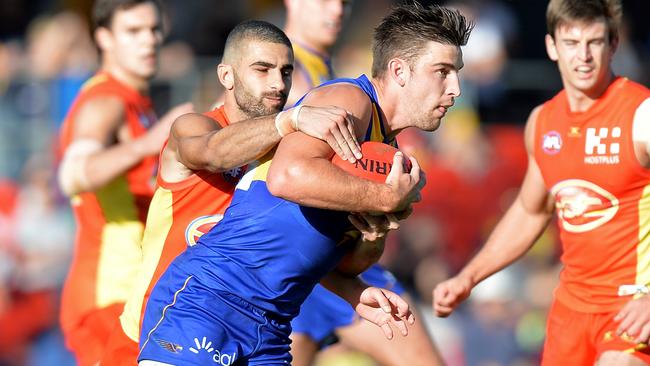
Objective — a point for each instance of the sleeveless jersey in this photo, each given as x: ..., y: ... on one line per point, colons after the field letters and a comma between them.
x: 110, y: 220
x: 601, y: 193
x: 269, y: 251
x: 314, y: 66
x: 180, y: 213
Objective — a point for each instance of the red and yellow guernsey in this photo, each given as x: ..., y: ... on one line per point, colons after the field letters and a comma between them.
x: 110, y: 220
x: 601, y: 193
x: 180, y: 213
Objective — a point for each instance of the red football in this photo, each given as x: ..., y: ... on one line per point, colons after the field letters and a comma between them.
x: 375, y: 164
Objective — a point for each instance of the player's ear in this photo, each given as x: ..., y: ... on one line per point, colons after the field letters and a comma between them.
x: 550, y: 47
x: 398, y: 70
x: 103, y: 38
x: 226, y: 76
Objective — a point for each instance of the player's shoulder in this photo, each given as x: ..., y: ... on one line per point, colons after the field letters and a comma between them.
x: 193, y: 124
x: 344, y: 93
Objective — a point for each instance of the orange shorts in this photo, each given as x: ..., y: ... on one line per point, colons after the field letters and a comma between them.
x: 120, y: 350
x: 88, y: 340
x: 576, y: 338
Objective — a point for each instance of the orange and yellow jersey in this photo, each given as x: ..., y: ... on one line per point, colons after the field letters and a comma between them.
x: 601, y: 193
x: 180, y: 213
x: 314, y: 66
x: 110, y: 220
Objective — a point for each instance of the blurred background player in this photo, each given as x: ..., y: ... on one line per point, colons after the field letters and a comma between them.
x: 262, y: 260
x: 313, y: 27
x: 110, y: 139
x: 588, y: 159
x: 203, y: 160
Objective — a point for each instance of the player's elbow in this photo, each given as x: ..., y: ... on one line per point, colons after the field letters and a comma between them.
x: 281, y: 181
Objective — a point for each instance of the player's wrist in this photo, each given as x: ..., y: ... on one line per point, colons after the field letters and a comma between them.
x: 287, y: 121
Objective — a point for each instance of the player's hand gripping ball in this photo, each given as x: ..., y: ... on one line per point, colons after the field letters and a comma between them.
x: 375, y: 164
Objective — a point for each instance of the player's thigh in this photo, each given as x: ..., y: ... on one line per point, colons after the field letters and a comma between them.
x: 303, y: 349
x: 415, y: 349
x: 195, y: 326
x: 619, y: 358
x: 568, y: 340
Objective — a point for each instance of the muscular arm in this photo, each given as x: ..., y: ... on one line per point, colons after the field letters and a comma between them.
x: 515, y: 233
x: 199, y: 143
x: 302, y: 172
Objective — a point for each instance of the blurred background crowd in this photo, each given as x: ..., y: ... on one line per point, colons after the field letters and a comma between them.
x: 474, y: 163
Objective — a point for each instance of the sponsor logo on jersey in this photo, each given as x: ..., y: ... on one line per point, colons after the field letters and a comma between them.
x: 200, y: 226
x: 574, y: 131
x: 552, y: 142
x: 602, y: 146
x: 583, y: 206
x: 218, y: 357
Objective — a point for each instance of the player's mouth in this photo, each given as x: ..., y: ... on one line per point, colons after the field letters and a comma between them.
x: 584, y: 72
x: 333, y: 26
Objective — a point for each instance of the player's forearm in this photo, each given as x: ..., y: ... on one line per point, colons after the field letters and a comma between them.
x: 349, y: 288
x: 364, y: 254
x: 233, y: 146
x: 104, y: 166
x: 315, y: 182
x: 513, y: 236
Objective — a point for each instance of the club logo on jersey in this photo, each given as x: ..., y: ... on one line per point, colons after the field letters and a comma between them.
x: 601, y: 147
x: 169, y: 346
x: 200, y: 226
x: 552, y: 142
x: 574, y: 131
x: 583, y: 206
x: 233, y: 176
x: 219, y: 358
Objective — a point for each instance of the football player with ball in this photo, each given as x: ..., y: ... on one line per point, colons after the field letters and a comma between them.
x: 287, y: 227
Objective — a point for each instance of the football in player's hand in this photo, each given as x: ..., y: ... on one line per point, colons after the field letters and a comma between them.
x: 375, y: 164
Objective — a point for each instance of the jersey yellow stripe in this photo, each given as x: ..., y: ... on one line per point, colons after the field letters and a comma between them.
x: 159, y: 221
x: 643, y: 249
x: 119, y: 254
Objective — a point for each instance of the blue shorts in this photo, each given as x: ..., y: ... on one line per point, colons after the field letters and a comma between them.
x: 323, y: 311
x: 185, y: 323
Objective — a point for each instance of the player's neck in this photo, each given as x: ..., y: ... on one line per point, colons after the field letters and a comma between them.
x: 138, y: 83
x: 388, y: 110
x: 581, y: 101
x: 232, y: 110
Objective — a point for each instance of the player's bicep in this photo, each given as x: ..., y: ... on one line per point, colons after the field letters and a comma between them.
x: 99, y: 119
x: 346, y: 96
x: 189, y: 138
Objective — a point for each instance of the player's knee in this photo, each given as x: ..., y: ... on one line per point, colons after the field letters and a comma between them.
x: 618, y: 358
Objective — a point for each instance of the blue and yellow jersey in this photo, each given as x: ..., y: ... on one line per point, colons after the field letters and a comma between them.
x: 315, y: 67
x: 269, y: 251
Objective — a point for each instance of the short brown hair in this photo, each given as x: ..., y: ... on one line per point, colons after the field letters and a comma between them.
x: 104, y: 10
x: 563, y: 11
x: 409, y: 27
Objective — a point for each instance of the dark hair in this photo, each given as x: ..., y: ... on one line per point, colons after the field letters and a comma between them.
x: 409, y: 27
x: 561, y: 12
x: 253, y: 30
x: 104, y: 10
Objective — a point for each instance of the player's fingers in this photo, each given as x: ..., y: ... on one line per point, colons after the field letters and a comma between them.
x: 644, y: 334
x: 383, y: 302
x: 343, y: 144
x: 388, y: 332
x: 401, y: 325
x: 360, y: 225
x: 331, y: 140
x: 346, y: 128
x: 625, y: 324
x: 350, y: 124
x: 415, y: 169
x: 397, y: 169
x: 393, y: 222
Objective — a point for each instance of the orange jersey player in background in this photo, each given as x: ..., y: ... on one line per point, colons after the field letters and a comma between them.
x: 589, y: 159
x: 110, y: 139
x: 206, y: 155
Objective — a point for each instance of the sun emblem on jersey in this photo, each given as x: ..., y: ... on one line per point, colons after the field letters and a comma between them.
x: 552, y: 142
x: 583, y: 206
x: 233, y: 176
x: 200, y: 226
